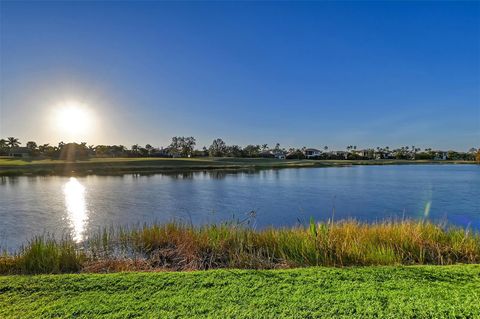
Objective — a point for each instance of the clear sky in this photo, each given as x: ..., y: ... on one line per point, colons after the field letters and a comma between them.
x: 301, y: 74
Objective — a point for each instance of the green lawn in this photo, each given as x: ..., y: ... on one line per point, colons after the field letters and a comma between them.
x: 9, y: 166
x: 368, y: 292
x: 167, y: 162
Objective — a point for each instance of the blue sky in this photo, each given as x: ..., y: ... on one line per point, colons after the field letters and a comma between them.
x: 297, y: 73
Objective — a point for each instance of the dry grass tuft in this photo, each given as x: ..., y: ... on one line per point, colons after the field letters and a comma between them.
x: 175, y: 246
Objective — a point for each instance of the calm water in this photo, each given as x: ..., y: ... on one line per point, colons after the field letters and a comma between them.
x: 34, y: 205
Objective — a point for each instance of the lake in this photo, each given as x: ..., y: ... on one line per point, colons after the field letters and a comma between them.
x: 286, y: 197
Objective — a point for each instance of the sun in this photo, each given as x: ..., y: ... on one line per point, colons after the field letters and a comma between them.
x: 73, y: 119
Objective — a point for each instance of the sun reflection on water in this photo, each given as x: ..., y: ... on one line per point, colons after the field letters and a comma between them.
x: 76, y: 207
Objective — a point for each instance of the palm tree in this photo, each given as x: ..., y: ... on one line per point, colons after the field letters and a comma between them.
x: 3, y: 146
x: 13, y: 142
x: 149, y: 148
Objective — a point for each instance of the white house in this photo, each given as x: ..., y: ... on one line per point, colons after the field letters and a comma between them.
x: 19, y: 152
x: 273, y: 154
x: 279, y: 155
x: 441, y: 156
x: 312, y: 152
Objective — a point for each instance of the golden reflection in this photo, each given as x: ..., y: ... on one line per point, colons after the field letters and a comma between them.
x: 76, y: 207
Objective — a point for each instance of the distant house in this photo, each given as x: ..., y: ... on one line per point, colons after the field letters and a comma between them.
x: 361, y: 153
x: 297, y: 154
x: 339, y: 154
x: 441, y: 156
x: 273, y: 154
x: 266, y: 154
x: 19, y: 152
x: 279, y: 155
x: 379, y: 155
x: 312, y: 152
x: 383, y: 155
x: 163, y: 152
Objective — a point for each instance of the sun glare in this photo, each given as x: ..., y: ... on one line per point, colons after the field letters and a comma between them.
x: 73, y: 119
x: 76, y: 207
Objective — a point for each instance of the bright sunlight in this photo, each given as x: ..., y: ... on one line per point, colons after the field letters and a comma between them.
x: 73, y: 120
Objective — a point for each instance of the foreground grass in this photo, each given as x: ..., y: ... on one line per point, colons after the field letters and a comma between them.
x: 182, y: 247
x: 12, y: 167
x: 368, y: 292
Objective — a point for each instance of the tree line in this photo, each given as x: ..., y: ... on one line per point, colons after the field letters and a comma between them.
x: 181, y: 146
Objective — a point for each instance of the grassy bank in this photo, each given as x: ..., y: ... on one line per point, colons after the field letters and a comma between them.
x: 365, y: 292
x: 14, y: 167
x: 182, y: 247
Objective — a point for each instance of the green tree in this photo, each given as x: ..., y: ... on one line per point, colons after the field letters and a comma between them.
x: 31, y: 145
x: 149, y: 149
x: 32, y: 148
x: 251, y: 150
x: 3, y: 146
x: 218, y: 148
x: 182, y: 146
x: 135, y: 149
x: 234, y: 151
x: 188, y: 144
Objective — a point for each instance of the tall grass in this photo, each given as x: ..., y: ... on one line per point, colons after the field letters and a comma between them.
x: 44, y: 254
x: 176, y: 246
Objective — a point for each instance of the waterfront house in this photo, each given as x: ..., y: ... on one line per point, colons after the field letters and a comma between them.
x: 19, y: 152
x: 441, y: 156
x: 279, y: 155
x: 162, y: 152
x: 273, y: 154
x: 383, y: 155
x: 361, y: 153
x: 339, y: 154
x: 266, y: 154
x: 312, y: 153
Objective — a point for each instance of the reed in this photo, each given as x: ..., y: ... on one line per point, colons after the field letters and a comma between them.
x: 175, y: 246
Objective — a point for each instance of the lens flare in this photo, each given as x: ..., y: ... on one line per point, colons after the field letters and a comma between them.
x: 426, y: 211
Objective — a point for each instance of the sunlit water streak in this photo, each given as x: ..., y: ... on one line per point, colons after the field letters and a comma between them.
x: 76, y: 207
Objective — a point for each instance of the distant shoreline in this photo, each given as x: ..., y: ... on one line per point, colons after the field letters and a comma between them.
x: 119, y: 166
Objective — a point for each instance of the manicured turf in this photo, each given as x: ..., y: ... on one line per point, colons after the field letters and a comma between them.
x: 10, y: 166
x: 369, y: 292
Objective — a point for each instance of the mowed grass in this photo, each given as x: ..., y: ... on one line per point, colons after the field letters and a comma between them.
x: 14, y: 167
x: 364, y: 292
x: 8, y: 161
x: 153, y: 160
